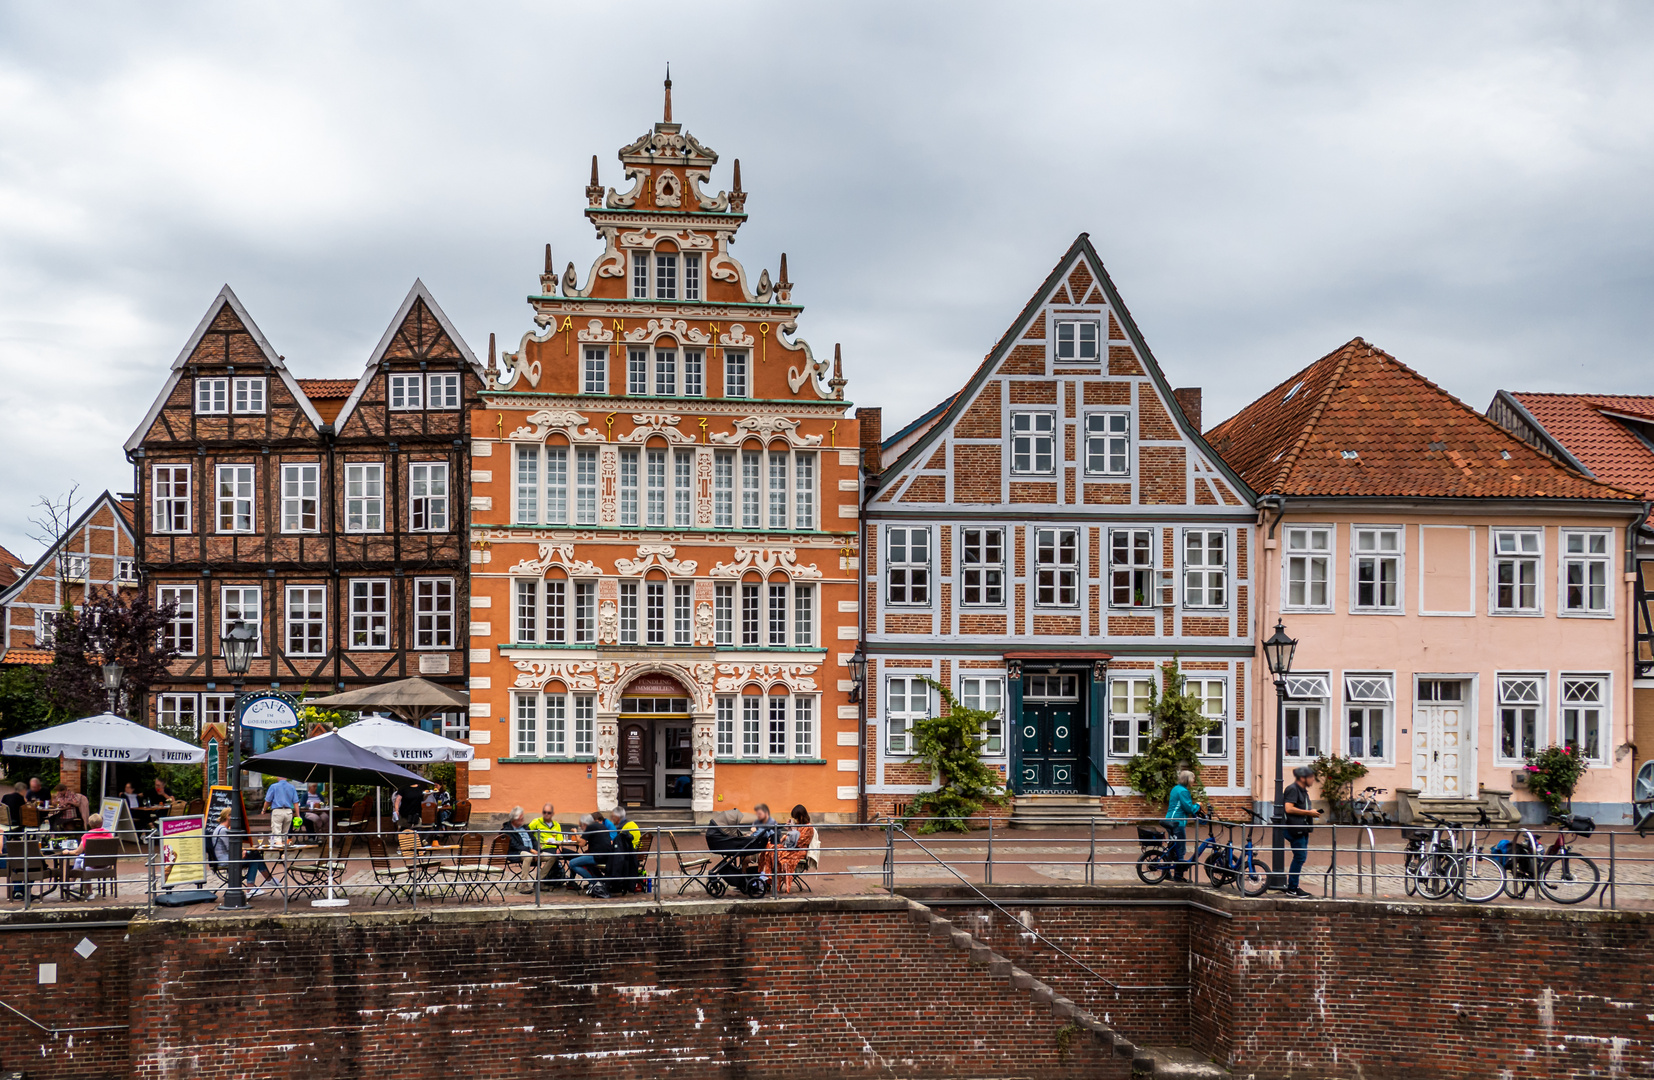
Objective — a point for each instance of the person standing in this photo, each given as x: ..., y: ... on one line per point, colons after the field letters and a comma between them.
x: 280, y: 799
x: 1180, y: 807
x: 1299, y: 817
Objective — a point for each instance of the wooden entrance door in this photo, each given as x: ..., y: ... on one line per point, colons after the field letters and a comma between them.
x: 637, y: 762
x: 1441, y: 740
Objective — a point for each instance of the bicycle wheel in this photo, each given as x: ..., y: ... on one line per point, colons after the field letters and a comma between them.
x: 1409, y: 868
x: 1568, y: 879
x: 1480, y: 877
x: 1436, y: 875
x: 1152, y: 867
x: 1254, y: 879
x: 1219, y: 868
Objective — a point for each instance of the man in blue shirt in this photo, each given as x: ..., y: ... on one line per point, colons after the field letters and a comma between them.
x: 279, y: 800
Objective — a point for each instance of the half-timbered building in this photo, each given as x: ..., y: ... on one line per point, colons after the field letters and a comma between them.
x: 1040, y: 544
x: 95, y: 552
x: 664, y: 578
x: 328, y: 514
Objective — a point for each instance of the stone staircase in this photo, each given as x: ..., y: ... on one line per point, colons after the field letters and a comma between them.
x: 1174, y: 1062
x: 1054, y: 811
x: 1411, y: 808
x: 670, y: 817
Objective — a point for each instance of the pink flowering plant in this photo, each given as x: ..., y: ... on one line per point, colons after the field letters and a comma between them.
x: 1552, y: 775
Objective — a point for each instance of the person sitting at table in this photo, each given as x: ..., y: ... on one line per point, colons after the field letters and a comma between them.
x: 523, y: 848
x: 554, y: 846
x: 623, y: 863
x: 70, y: 809
x: 444, y: 803
x: 313, y: 809
x: 157, y: 796
x: 594, y: 830
x: 94, y: 831
x: 793, y: 849
x: 13, y: 801
x: 252, y: 863
x: 130, y: 794
x: 280, y: 799
x: 37, y: 791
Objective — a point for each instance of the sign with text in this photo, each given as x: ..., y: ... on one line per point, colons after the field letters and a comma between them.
x: 117, y: 818
x: 183, y: 850
x: 218, y: 798
x: 269, y: 710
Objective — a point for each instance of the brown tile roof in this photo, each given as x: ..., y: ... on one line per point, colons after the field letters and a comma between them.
x: 1587, y: 428
x: 1359, y: 422
x: 127, y: 510
x: 27, y: 656
x: 315, y: 389
x: 11, y: 568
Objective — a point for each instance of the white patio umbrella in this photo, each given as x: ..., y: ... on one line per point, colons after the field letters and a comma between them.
x: 404, y: 744
x: 105, y: 737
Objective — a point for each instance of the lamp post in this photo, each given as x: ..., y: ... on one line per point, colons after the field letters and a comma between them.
x: 112, y: 675
x: 858, y: 672
x: 237, y: 647
x: 1277, y: 653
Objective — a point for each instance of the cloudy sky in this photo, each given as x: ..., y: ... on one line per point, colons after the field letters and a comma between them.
x: 1465, y: 185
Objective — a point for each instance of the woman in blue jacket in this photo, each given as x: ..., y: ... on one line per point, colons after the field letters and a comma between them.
x: 1180, y: 807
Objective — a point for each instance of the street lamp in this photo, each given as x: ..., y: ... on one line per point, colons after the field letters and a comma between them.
x: 237, y: 646
x: 858, y: 673
x: 1277, y: 653
x: 112, y: 675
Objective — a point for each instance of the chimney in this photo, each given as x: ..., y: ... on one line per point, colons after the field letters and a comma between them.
x: 872, y: 434
x: 1188, y: 399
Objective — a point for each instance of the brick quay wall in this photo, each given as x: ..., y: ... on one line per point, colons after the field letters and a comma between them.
x: 836, y: 986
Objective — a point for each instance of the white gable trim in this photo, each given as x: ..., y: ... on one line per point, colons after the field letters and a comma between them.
x: 417, y: 292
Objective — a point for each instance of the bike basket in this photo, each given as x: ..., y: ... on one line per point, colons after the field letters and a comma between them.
x: 1150, y: 837
x: 1581, y: 824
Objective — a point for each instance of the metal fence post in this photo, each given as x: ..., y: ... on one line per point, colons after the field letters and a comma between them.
x: 1335, y: 862
x: 656, y: 884
x: 889, y: 857
x: 988, y: 878
x: 1613, y: 893
x: 1091, y: 854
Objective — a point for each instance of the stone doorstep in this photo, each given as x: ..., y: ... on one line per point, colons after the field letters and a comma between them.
x: 1145, y: 1061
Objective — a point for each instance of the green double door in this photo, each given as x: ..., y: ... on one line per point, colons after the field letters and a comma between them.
x: 1051, y: 739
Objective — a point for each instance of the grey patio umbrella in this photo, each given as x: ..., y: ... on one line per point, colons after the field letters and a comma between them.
x: 411, y: 699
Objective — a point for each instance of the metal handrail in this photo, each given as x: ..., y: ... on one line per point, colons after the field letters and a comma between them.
x: 26, y: 1018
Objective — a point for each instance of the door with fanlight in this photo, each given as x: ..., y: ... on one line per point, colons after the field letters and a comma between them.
x: 1051, y: 735
x: 1443, y: 763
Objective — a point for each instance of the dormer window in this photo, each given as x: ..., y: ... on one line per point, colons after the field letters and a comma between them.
x: 1077, y: 340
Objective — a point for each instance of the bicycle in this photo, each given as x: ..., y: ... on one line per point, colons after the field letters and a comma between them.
x: 1444, y: 862
x: 1557, y: 873
x: 1226, y: 866
x: 1365, y: 810
x: 1156, y: 862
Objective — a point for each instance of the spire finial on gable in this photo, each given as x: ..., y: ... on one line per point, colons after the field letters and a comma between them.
x: 668, y: 118
x: 594, y: 190
x: 836, y: 383
x: 737, y: 197
x: 783, y: 287
x: 548, y: 259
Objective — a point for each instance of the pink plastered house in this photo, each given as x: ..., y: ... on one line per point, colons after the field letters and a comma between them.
x: 1459, y: 599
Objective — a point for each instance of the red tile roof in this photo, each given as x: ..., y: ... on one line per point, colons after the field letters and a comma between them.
x: 1358, y: 422
x: 27, y: 656
x: 126, y: 510
x: 327, y: 388
x: 11, y: 568
x: 1609, y: 447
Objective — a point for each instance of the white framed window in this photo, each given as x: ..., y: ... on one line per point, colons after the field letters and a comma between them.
x: 1304, y: 717
x: 1521, y: 709
x: 557, y: 485
x: 694, y: 373
x: 666, y: 276
x: 751, y: 489
x: 126, y: 571
x: 442, y: 391
x: 301, y: 486
x: 217, y: 709
x: 177, y: 710
x: 235, y: 498
x: 907, y: 566
x: 723, y: 615
x: 1516, y: 557
x: 45, y: 628
x: 655, y: 480
x: 683, y: 613
x: 585, y: 612
x: 982, y: 567
x: 306, y: 620
x: 750, y: 615
x: 804, y: 635
x: 725, y: 747
x: 683, y: 488
x: 248, y: 396
x: 778, y: 615
x: 987, y: 695
x: 528, y: 485
x: 370, y: 613
x: 1108, y: 444
x: 364, y: 497
x: 691, y: 276
x: 654, y: 613
x: 1056, y: 567
x: 76, y: 567
x: 407, y: 392
x: 1375, y: 572
x: 628, y: 487
x: 180, y: 632
x: 1129, y: 722
x: 1033, y: 442
x: 1586, y: 565
x: 804, y: 727
x: 723, y: 489
x: 594, y: 371
x: 585, y: 723
x: 212, y: 396
x: 1369, y: 709
x: 1131, y: 568
x: 433, y: 613
x: 906, y: 701
x: 585, y: 486
x: 628, y: 613
x: 557, y: 726
x: 778, y: 490
x: 637, y: 372
x: 1205, y: 569
x: 1077, y: 339
x: 1584, y: 727
x: 527, y: 724
x: 752, y: 711
x: 170, y: 498
x: 528, y: 612
x: 556, y: 610
x: 1308, y: 568
x: 735, y: 374
x: 640, y: 275
x: 1212, y: 695
x: 804, y: 490
x: 666, y: 373
x: 242, y: 604
x: 428, y: 496
x: 777, y: 744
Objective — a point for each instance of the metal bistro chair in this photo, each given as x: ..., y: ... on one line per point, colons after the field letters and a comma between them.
x: 468, y: 864
x: 461, y: 819
x: 98, y: 866
x: 693, y: 871
x: 349, y: 830
x: 31, y: 817
x: 393, y: 881
x: 26, y: 868
x: 487, y: 876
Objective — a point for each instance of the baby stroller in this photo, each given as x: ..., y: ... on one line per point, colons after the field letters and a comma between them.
x: 734, y: 867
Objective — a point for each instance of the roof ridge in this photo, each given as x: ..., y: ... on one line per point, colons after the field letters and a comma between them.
x: 1308, y: 428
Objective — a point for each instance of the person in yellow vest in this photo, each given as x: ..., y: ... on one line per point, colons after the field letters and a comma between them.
x: 553, y: 844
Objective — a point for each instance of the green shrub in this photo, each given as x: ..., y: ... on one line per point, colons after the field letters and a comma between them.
x: 951, y: 746
x: 1553, y: 773
x: 1337, y: 775
x: 1174, y: 742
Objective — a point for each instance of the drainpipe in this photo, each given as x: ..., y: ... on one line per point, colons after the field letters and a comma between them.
x: 1266, y: 562
x: 1632, y: 573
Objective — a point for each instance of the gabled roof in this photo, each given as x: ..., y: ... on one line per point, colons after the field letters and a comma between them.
x: 35, y: 657
x: 1608, y: 435
x: 11, y: 568
x: 128, y: 511
x: 942, y: 416
x: 7, y: 588
x: 1360, y: 423
x: 417, y: 292
x: 226, y: 298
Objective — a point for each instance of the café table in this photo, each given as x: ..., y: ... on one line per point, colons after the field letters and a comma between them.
x: 432, y: 859
x: 279, y: 854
